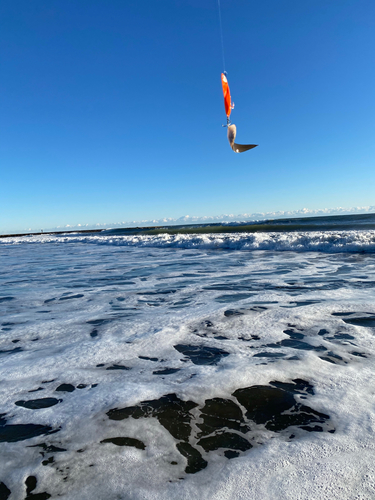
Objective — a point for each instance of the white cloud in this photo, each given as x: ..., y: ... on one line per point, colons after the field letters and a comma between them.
x: 206, y: 219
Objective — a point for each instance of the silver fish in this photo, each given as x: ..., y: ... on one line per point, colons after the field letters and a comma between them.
x: 237, y: 148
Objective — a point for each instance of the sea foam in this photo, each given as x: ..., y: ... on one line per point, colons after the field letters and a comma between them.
x: 314, y: 241
x: 129, y: 369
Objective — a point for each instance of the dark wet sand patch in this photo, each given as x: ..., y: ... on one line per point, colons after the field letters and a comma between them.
x: 172, y: 413
x: 222, y: 423
x: 333, y: 358
x: 228, y: 440
x: 11, y: 351
x: 49, y: 461
x: 65, y: 388
x: 31, y: 483
x: 20, y: 432
x: 4, y: 491
x: 249, y: 339
x: 368, y: 322
x: 358, y: 354
x: 231, y: 454
x: 259, y: 309
x: 202, y: 355
x: 195, y: 460
x: 342, y: 336
x: 118, y: 367
x: 37, y: 404
x: 166, y: 371
x: 219, y: 413
x: 232, y: 312
x: 48, y: 448
x: 293, y: 334
x: 296, y: 386
x: 268, y: 406
x: 298, y: 344
x: 125, y: 441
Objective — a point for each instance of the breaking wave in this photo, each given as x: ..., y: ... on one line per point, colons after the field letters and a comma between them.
x: 317, y: 241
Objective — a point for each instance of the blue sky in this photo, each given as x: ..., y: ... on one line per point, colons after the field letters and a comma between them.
x: 112, y: 110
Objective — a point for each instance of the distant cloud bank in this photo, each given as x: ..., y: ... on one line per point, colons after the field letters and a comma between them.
x: 206, y: 219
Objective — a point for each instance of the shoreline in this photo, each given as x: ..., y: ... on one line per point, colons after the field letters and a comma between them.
x: 304, y: 224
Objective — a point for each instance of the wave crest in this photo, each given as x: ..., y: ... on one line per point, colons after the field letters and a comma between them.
x: 328, y: 241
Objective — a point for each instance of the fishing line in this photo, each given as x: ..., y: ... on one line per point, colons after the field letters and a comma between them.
x: 221, y: 34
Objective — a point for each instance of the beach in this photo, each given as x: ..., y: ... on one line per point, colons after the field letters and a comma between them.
x: 232, y: 365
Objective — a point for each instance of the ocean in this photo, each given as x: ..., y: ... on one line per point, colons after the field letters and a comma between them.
x: 218, y: 362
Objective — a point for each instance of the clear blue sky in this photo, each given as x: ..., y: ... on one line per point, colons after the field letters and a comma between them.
x: 112, y: 110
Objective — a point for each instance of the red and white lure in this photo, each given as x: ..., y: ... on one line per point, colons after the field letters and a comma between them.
x: 232, y: 129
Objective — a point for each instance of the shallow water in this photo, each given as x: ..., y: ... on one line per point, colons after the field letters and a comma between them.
x: 133, y: 371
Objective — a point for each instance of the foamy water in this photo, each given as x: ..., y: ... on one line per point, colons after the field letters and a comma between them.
x: 301, y: 241
x: 184, y: 366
